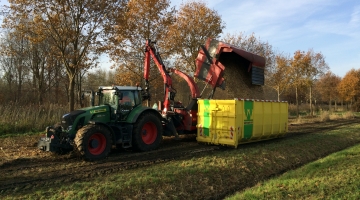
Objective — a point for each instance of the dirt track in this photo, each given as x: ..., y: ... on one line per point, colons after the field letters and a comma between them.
x: 23, y: 167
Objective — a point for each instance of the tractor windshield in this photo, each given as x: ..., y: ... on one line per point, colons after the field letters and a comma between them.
x: 109, y: 97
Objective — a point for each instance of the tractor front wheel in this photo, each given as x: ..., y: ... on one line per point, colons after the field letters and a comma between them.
x: 147, y: 134
x: 93, y: 142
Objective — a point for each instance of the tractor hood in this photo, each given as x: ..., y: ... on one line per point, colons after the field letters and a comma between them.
x: 95, y: 109
x: 210, y: 66
x: 83, y: 115
x: 68, y: 119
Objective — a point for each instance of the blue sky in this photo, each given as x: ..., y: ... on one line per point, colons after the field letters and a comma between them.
x: 331, y: 27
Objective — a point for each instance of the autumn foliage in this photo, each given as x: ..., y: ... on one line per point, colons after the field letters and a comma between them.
x: 72, y: 29
x: 194, y: 23
x: 50, y: 50
x: 327, y: 86
x: 349, y: 87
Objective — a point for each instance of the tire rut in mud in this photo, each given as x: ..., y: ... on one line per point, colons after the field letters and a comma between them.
x: 26, y: 174
x: 29, y: 173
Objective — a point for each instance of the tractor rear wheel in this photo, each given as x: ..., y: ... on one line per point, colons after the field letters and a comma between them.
x: 93, y: 142
x: 147, y: 134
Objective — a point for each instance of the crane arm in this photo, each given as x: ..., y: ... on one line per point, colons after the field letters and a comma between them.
x: 150, y: 51
x: 169, y: 92
x: 190, y: 81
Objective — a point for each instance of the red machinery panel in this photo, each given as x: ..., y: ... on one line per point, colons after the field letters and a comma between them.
x: 210, y: 69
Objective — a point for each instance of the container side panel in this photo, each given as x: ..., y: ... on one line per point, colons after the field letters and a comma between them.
x: 267, y: 119
x: 284, y: 117
x: 258, y: 119
x: 239, y: 120
x: 248, y: 119
x: 224, y: 118
x: 232, y: 122
x: 275, y: 118
x: 207, y: 117
x: 204, y: 119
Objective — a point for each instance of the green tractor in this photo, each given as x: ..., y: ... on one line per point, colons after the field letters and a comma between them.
x: 118, y: 119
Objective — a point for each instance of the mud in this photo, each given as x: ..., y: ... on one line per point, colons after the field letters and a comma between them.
x: 24, y: 167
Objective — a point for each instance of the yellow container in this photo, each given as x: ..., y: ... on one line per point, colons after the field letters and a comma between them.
x: 232, y: 122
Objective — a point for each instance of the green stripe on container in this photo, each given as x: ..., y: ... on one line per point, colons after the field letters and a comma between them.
x: 248, y: 121
x: 206, y: 126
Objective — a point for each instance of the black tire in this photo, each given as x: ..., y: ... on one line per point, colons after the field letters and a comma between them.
x: 93, y: 142
x: 147, y: 134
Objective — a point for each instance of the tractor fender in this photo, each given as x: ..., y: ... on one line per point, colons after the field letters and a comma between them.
x: 138, y: 112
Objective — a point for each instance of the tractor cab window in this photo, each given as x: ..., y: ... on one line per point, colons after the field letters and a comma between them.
x: 108, y: 97
x: 126, y: 103
x: 137, y: 97
x: 127, y: 99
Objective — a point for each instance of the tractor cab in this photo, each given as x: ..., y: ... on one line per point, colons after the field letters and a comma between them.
x: 121, y: 99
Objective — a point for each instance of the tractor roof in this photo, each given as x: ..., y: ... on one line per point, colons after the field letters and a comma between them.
x: 120, y: 87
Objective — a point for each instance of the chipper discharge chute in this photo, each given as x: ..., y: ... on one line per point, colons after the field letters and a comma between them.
x: 243, y: 70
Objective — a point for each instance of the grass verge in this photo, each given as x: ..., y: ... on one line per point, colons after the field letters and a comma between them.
x: 211, y: 175
x: 29, y: 118
x: 333, y: 177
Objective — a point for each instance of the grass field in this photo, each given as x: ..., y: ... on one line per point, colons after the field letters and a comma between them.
x: 29, y: 118
x: 336, y: 176
x: 215, y: 175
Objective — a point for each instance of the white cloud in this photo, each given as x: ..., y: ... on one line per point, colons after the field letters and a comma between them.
x: 355, y: 17
x: 328, y: 26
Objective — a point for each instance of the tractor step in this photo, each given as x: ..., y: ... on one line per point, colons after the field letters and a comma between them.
x: 126, y: 137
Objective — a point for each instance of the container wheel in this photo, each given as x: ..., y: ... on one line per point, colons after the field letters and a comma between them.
x: 93, y: 142
x: 147, y: 134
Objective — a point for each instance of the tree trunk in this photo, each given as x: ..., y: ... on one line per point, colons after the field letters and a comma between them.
x: 297, y: 101
x: 278, y: 93
x: 40, y: 80
x: 19, y: 86
x: 311, y: 109
x: 57, y: 77
x: 79, y: 88
x: 71, y: 92
x: 330, y: 104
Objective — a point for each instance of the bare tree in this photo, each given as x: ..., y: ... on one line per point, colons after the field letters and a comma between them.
x: 317, y: 68
x: 279, y: 76
x: 15, y: 57
x: 327, y: 87
x: 74, y: 28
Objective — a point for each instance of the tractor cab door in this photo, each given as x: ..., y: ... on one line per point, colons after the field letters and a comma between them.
x: 128, y: 100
